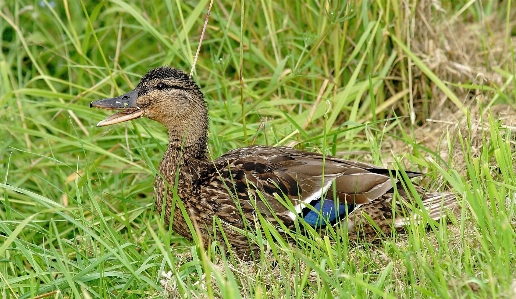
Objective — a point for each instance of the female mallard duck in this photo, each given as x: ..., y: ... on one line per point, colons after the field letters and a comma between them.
x: 238, y: 184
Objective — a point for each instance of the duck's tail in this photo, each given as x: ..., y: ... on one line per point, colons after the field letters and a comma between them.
x: 435, y: 206
x: 437, y: 203
x: 385, y: 213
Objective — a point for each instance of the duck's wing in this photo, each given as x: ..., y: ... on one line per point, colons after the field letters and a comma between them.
x: 303, y: 177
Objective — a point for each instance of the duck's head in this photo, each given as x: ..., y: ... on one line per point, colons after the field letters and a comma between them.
x: 168, y: 96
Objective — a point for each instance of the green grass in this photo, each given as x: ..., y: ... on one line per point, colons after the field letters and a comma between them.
x: 76, y: 207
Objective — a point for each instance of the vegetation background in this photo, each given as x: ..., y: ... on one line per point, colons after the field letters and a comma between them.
x: 422, y: 85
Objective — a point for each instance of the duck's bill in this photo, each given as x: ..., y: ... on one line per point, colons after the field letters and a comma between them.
x: 126, y: 103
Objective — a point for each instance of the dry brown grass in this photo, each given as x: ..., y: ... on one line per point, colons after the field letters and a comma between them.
x: 461, y: 51
x: 443, y: 132
x: 469, y: 55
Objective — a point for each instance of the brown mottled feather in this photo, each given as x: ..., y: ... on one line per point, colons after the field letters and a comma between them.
x: 227, y: 188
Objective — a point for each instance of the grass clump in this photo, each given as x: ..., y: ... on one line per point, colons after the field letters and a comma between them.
x: 355, y: 79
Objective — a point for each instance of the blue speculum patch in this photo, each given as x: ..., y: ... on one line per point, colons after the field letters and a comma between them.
x: 325, y: 212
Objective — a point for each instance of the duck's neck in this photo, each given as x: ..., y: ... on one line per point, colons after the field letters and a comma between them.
x: 185, y: 155
x: 188, y: 138
x: 186, y: 148
x: 180, y: 172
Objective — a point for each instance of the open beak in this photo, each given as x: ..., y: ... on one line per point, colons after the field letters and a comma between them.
x: 126, y: 103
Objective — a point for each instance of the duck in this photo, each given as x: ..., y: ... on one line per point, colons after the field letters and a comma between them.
x: 283, y: 185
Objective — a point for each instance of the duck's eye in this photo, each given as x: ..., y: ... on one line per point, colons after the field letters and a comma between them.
x: 161, y: 86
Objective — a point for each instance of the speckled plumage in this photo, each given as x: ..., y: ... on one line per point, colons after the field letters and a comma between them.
x: 245, y: 181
